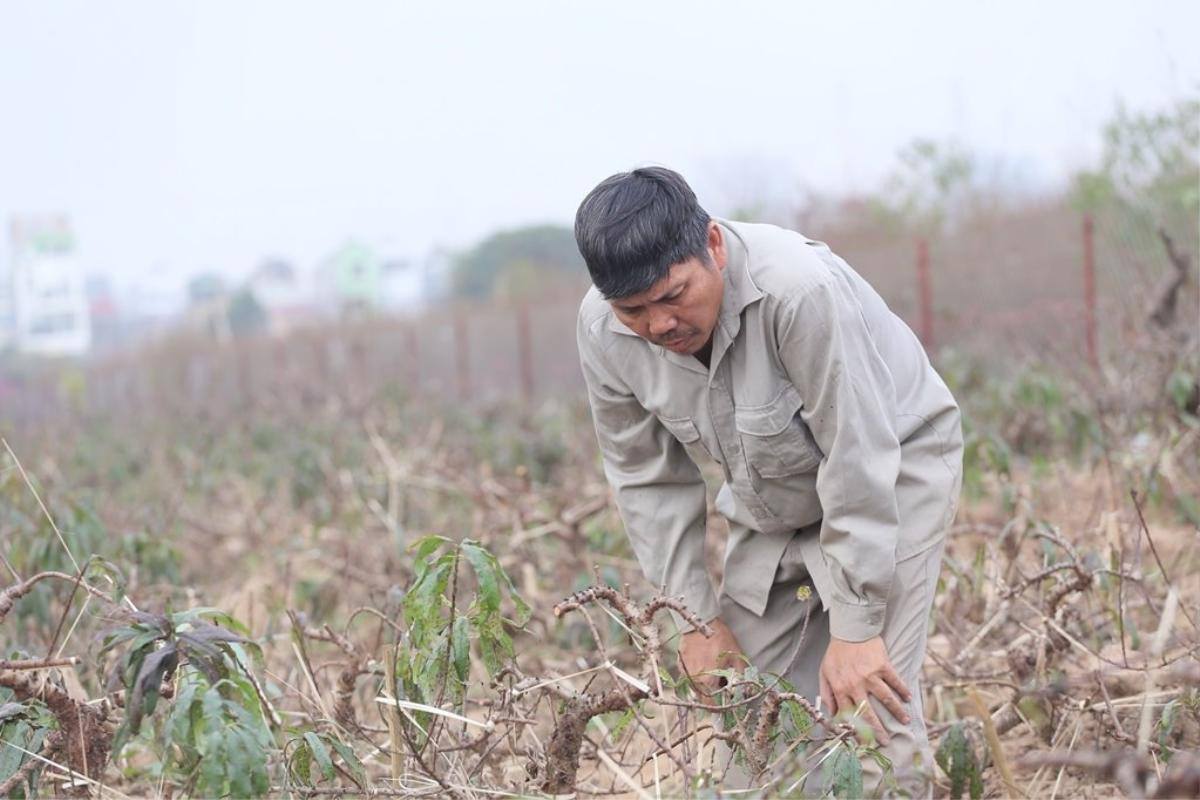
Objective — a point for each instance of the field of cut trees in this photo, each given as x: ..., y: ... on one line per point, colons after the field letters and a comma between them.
x: 320, y: 567
x: 396, y: 598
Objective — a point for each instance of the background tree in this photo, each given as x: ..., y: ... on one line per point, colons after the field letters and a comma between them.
x: 929, y: 189
x: 516, y: 261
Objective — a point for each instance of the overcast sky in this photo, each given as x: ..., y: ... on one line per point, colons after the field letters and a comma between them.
x: 181, y: 137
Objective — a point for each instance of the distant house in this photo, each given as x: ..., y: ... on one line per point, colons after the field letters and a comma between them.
x: 49, y: 300
x: 351, y: 279
x: 151, y: 302
x: 207, y: 309
x: 103, y: 312
x: 356, y: 276
x: 282, y: 295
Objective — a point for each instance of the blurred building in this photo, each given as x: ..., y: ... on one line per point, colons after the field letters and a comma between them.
x: 151, y: 302
x: 207, y: 310
x: 350, y: 279
x: 286, y: 300
x: 107, y: 330
x: 48, y: 296
x: 359, y: 277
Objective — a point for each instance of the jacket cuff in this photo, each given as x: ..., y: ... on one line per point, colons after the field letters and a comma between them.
x: 855, y: 623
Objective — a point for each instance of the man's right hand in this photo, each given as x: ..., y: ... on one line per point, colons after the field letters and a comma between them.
x: 698, y: 655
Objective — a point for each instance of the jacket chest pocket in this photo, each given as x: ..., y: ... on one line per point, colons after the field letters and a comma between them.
x: 776, y: 441
x: 684, y: 429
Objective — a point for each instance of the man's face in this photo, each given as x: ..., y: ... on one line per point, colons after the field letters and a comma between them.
x: 680, y: 311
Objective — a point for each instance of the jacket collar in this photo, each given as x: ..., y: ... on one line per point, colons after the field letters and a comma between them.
x: 740, y: 289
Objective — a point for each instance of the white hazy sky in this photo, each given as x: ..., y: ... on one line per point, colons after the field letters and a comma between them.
x: 188, y: 136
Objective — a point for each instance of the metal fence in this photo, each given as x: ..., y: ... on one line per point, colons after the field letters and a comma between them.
x: 1042, y: 282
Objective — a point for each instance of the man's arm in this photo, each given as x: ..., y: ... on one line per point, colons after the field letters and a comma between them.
x: 850, y: 407
x: 660, y: 492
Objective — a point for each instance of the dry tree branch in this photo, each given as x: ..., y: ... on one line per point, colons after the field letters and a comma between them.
x: 562, y: 752
x: 347, y: 681
x: 1163, y: 311
x: 38, y: 663
x: 1137, y: 504
x: 1135, y: 775
x: 87, y: 734
x: 10, y: 596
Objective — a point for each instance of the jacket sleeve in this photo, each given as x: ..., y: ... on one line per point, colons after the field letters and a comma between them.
x: 850, y: 406
x: 659, y: 490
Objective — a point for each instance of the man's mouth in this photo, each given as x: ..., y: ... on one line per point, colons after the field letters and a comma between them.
x: 675, y: 342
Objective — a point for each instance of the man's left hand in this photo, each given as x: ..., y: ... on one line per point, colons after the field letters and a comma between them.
x: 851, y: 671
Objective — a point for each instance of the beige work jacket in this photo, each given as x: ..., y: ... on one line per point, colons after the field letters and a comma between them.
x: 814, y: 393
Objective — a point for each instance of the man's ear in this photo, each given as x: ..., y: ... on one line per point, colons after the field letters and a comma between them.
x: 716, y: 245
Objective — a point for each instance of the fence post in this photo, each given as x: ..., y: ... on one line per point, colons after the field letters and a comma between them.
x: 413, y: 336
x: 925, y: 292
x: 1089, y: 290
x: 525, y: 349
x: 462, y: 355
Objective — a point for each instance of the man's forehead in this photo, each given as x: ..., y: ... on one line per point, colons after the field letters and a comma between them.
x: 655, y: 292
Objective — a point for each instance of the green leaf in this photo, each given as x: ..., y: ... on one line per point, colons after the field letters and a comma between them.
x: 431, y: 669
x: 106, y: 567
x: 357, y: 770
x: 461, y: 642
x: 422, y: 549
x: 142, y: 696
x: 481, y: 562
x: 956, y: 756
x: 213, y: 706
x: 491, y: 659
x: 423, y: 604
x: 197, y: 616
x: 177, y: 727
x: 15, y: 733
x: 799, y: 716
x: 112, y: 637
x: 9, y: 710
x: 622, y: 722
x: 320, y: 754
x: 524, y: 612
x: 240, y: 763
x: 212, y: 765
x: 300, y: 764
x: 1166, y: 724
x: 846, y: 773
x: 248, y: 764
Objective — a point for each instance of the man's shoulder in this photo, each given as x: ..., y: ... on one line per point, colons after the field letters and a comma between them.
x: 781, y: 262
x: 593, y: 309
x: 593, y: 328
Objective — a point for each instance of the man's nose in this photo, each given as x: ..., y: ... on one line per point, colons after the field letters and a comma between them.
x: 662, y: 323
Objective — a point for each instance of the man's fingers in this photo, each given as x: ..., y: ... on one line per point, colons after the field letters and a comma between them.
x: 827, y: 695
x: 884, y: 694
x: 871, y: 719
x: 869, y: 715
x: 892, y: 679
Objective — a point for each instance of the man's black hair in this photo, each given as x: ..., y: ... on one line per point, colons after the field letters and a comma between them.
x: 635, y: 225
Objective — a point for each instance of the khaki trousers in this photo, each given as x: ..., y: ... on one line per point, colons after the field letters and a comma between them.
x: 773, y: 645
x: 927, y: 490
